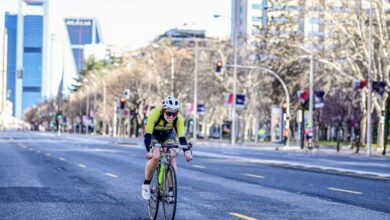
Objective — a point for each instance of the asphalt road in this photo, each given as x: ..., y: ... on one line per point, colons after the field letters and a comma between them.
x: 43, y: 176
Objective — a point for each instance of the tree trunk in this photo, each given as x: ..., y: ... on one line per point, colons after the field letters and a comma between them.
x: 386, y: 129
x: 380, y: 132
x: 338, y: 137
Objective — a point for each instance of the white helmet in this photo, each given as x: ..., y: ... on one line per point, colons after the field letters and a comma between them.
x: 171, y: 103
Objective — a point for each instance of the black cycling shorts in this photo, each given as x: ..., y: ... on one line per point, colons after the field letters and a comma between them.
x: 162, y: 136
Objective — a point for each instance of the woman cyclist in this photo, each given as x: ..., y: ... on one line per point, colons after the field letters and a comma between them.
x: 164, y: 125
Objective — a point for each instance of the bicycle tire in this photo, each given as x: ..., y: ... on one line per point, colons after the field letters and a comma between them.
x: 169, y: 202
x: 153, y: 203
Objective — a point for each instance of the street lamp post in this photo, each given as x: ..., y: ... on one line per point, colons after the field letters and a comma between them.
x: 87, y: 109
x: 234, y: 83
x: 94, y: 107
x: 369, y: 83
x: 80, y: 96
x: 311, y: 77
x: 172, y: 67
x: 104, y: 99
x: 235, y: 40
x: 266, y: 70
x: 195, y: 120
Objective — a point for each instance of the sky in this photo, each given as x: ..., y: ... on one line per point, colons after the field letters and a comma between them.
x: 130, y: 24
x: 134, y: 23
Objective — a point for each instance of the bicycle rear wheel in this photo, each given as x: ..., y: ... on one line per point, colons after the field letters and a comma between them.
x: 154, y: 196
x: 169, y: 195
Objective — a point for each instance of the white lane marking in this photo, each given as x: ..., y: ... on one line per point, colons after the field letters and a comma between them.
x: 255, y: 176
x: 111, y: 175
x: 132, y: 155
x: 48, y: 154
x: 38, y: 151
x: 61, y: 158
x: 242, y: 216
x: 82, y: 165
x: 199, y: 166
x: 344, y: 190
x: 31, y: 149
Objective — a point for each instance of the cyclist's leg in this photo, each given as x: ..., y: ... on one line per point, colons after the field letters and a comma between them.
x: 152, y: 163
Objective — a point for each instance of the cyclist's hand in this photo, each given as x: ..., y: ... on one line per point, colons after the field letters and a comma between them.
x: 149, y: 155
x: 188, y: 155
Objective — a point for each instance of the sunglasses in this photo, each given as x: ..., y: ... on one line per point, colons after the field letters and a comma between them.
x: 171, y: 114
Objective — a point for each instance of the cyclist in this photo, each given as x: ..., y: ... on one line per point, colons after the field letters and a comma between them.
x: 164, y: 124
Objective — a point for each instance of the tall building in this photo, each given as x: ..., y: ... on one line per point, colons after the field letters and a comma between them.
x: 26, y: 57
x: 3, y: 79
x: 248, y: 16
x: 31, y: 72
x: 82, y: 32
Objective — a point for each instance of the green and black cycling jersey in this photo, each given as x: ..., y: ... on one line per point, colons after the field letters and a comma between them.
x: 156, y: 125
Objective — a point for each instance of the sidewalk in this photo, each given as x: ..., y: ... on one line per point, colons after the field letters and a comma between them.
x: 344, y: 150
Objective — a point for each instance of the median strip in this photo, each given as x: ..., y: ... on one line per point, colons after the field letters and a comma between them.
x: 199, y: 166
x: 344, y: 190
x: 255, y: 176
x: 299, y: 165
x: 242, y: 216
x: 111, y: 175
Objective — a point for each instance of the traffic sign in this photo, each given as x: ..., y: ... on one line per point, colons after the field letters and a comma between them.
x: 201, y: 108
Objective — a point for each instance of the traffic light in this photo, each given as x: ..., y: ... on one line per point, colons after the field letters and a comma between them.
x: 59, y: 115
x: 122, y: 103
x: 218, y: 66
x: 126, y: 93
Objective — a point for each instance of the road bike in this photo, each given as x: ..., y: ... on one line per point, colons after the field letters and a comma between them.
x: 164, y: 186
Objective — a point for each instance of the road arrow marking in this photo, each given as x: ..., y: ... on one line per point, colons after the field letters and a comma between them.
x: 255, y: 176
x: 344, y: 190
x: 242, y: 216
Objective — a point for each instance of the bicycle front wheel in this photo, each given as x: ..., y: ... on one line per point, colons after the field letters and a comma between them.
x: 154, y: 196
x: 169, y: 195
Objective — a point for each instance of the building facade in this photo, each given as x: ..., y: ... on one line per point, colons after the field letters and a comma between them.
x: 82, y: 32
x: 184, y: 37
x: 31, y: 73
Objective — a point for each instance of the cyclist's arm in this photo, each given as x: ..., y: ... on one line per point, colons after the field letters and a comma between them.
x: 180, y: 130
x: 152, y: 119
